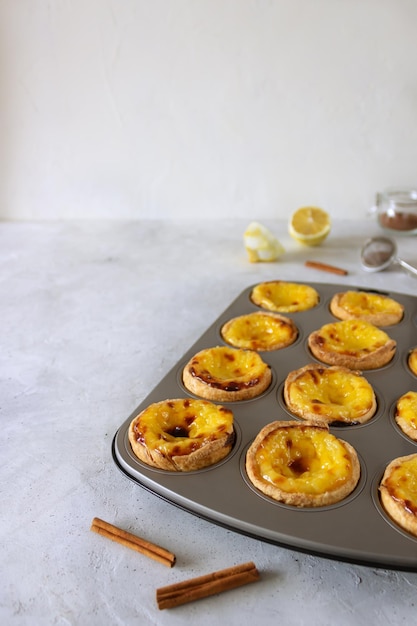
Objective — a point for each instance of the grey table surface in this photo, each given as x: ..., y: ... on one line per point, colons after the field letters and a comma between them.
x: 94, y: 314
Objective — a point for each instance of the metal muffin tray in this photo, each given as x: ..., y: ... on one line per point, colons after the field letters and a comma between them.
x: 356, y: 529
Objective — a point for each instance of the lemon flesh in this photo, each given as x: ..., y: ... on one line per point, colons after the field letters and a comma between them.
x: 309, y: 225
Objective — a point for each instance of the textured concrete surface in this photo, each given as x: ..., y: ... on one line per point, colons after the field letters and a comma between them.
x: 93, y: 315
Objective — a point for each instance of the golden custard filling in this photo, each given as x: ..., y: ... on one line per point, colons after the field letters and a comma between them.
x: 402, y: 484
x: 228, y: 368
x: 330, y: 393
x: 358, y: 303
x: 284, y: 297
x: 354, y: 337
x: 259, y: 331
x: 178, y: 427
x: 407, y: 409
x: 307, y: 460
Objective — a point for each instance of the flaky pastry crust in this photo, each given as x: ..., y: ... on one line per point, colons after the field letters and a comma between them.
x: 403, y: 510
x: 226, y: 374
x: 365, y: 358
x: 406, y: 414
x: 374, y: 308
x: 412, y: 361
x: 261, y: 330
x: 193, y: 452
x: 284, y: 297
x: 338, y: 489
x: 330, y: 394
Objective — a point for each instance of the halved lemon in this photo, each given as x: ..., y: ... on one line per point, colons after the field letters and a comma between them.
x: 309, y: 225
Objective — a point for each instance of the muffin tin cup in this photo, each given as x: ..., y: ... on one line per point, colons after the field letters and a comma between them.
x: 357, y: 529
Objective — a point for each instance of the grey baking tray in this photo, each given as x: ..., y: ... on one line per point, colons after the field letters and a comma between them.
x: 354, y: 530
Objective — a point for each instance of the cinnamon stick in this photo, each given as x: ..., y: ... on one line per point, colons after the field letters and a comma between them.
x: 134, y: 542
x: 204, y: 586
x: 326, y: 268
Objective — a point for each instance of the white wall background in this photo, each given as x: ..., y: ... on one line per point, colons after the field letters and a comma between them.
x: 211, y: 108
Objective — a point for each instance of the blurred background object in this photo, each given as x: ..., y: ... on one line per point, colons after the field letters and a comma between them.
x: 210, y: 108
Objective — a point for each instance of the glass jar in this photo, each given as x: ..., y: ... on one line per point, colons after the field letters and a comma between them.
x: 396, y: 211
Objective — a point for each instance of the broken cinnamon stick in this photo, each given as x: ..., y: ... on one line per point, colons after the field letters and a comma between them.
x: 204, y: 586
x: 326, y: 268
x: 133, y: 542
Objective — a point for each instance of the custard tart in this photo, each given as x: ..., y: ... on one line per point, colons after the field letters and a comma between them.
x: 412, y: 361
x: 224, y: 373
x: 333, y: 394
x: 398, y: 492
x: 182, y: 434
x: 375, y: 308
x: 355, y: 343
x: 302, y: 464
x: 261, y: 330
x: 406, y: 414
x: 284, y: 297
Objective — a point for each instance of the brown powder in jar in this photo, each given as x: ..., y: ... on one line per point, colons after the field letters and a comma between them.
x: 398, y: 221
